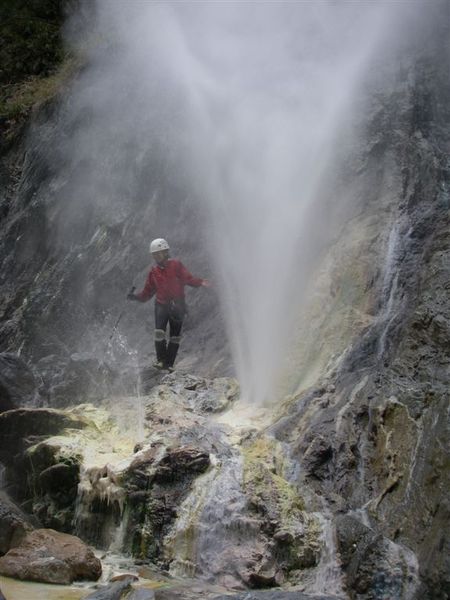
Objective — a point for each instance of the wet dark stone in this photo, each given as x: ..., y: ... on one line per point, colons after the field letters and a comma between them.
x: 16, y: 426
x: 317, y: 454
x: 113, y: 591
x: 14, y: 525
x: 18, y: 385
x: 181, y: 461
x: 372, y: 569
x: 60, y: 478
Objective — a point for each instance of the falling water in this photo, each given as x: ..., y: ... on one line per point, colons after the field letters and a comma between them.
x: 247, y: 106
x: 329, y: 576
x: 389, y: 291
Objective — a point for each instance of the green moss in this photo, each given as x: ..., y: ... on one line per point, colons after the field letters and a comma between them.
x: 263, y: 467
x: 277, y: 501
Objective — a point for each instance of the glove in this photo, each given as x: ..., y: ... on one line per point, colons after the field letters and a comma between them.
x: 132, y: 296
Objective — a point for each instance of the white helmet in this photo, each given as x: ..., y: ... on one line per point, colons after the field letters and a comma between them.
x: 158, y: 245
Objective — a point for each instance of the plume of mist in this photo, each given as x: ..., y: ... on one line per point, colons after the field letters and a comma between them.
x: 245, y: 104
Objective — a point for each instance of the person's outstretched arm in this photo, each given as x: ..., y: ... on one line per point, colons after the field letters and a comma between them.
x: 148, y: 291
x: 189, y: 279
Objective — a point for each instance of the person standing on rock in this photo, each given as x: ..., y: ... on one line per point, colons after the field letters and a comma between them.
x: 167, y: 280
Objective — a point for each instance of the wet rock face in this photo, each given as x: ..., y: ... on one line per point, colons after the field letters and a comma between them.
x: 292, y: 536
x: 372, y: 436
x: 155, y: 487
x: 18, y: 384
x: 69, y: 261
x: 187, y: 497
x: 82, y: 377
x: 375, y: 567
x: 51, y: 557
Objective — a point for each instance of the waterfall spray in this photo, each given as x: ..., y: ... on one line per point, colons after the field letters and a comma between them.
x: 247, y: 105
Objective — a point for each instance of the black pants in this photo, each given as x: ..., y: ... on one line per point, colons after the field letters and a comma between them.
x: 166, y: 314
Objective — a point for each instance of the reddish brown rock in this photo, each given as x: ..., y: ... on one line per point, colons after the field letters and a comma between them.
x: 49, y: 556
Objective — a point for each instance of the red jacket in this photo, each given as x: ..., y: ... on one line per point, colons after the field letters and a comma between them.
x: 168, y: 282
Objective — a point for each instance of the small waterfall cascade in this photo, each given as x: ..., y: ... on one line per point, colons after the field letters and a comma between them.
x: 328, y: 577
x: 118, y: 350
x: 100, y: 489
x: 212, y: 520
x: 391, y: 297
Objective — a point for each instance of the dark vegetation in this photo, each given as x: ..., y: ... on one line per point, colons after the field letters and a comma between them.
x: 31, y: 56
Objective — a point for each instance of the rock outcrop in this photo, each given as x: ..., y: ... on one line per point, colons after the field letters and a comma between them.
x: 35, y: 473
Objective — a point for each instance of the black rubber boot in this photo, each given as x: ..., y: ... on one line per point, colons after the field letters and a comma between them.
x: 171, y: 354
x: 161, y: 352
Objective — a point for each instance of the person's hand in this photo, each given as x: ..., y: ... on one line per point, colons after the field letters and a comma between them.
x: 133, y: 297
x: 206, y: 283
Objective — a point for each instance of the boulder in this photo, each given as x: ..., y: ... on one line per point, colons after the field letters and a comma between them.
x: 48, y: 556
x: 18, y: 385
x: 13, y: 525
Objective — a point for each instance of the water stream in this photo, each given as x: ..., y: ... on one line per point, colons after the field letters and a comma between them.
x: 391, y: 297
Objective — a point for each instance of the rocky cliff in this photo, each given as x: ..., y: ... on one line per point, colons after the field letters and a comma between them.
x: 342, y: 487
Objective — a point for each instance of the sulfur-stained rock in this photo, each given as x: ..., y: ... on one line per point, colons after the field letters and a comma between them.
x: 48, y: 556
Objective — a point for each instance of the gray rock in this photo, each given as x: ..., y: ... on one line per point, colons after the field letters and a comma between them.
x: 114, y: 591
x: 374, y: 565
x: 141, y: 594
x: 18, y: 385
x: 273, y: 595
